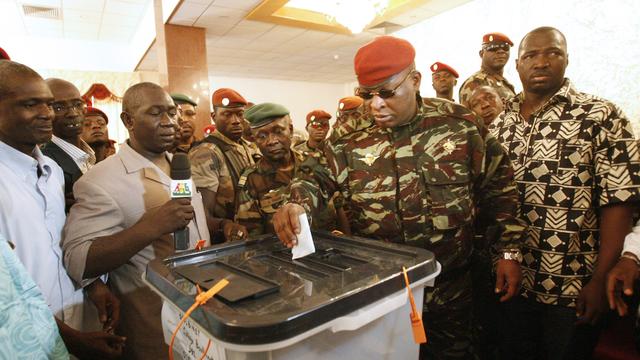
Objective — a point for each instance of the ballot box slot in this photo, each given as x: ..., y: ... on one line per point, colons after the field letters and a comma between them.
x: 297, y: 268
x: 242, y: 284
x: 285, y: 256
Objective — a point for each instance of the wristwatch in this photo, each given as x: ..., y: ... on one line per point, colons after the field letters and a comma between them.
x: 515, y: 255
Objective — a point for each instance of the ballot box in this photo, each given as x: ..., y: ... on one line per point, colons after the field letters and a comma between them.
x: 348, y: 300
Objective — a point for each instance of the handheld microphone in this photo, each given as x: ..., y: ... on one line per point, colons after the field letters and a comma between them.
x: 181, y: 187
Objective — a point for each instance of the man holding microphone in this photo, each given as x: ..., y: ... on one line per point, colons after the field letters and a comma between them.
x: 124, y: 217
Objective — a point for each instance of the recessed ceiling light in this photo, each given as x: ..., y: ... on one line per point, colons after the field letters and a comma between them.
x: 336, y: 57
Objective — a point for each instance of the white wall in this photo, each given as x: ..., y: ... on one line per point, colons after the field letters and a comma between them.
x: 300, y: 97
x: 602, y: 41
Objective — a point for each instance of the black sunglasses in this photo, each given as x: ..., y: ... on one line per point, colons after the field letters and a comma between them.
x: 382, y: 93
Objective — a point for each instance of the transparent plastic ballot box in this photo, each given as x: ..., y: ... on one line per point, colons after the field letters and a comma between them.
x: 348, y: 300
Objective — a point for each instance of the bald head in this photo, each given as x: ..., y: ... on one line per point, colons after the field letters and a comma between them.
x: 25, y: 111
x: 543, y: 30
x: 151, y: 118
x: 62, y: 88
x: 134, y: 96
x: 12, y: 74
x: 542, y: 61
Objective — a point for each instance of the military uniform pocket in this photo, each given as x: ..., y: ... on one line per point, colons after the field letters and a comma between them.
x: 449, y: 186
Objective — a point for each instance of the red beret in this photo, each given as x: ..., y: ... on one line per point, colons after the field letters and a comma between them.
x: 317, y: 115
x: 349, y: 103
x: 209, y: 129
x: 496, y: 37
x: 382, y: 58
x: 225, y: 97
x: 96, y: 111
x: 438, y: 66
x: 4, y: 55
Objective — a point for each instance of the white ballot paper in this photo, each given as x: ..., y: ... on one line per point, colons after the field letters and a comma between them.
x: 305, y: 241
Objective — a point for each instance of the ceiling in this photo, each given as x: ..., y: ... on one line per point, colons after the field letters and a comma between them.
x: 114, y: 35
x: 237, y: 47
x: 97, y: 20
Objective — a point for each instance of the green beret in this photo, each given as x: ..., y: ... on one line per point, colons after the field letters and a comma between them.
x: 262, y: 114
x: 182, y: 98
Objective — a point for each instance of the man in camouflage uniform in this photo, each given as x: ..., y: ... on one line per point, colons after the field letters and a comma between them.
x: 494, y: 54
x: 443, y: 79
x: 318, y: 128
x: 186, y: 120
x: 349, y: 117
x: 417, y: 177
x: 218, y: 162
x: 264, y: 186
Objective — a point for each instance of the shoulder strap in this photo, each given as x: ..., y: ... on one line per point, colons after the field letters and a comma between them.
x: 235, y: 177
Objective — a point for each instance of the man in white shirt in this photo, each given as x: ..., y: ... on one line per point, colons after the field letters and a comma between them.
x: 66, y: 147
x: 32, y: 206
x: 626, y: 271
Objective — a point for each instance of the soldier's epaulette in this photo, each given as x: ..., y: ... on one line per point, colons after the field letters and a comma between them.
x: 242, y: 181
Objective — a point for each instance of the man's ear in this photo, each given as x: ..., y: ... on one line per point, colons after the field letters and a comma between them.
x: 417, y: 79
x: 127, y: 120
x: 481, y: 52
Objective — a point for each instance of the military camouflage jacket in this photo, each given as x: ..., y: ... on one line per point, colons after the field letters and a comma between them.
x: 317, y: 153
x: 481, y: 78
x: 424, y: 183
x: 263, y: 189
x: 216, y: 165
x: 353, y: 122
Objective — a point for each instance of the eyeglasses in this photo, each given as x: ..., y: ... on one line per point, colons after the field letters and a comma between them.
x: 62, y: 107
x: 319, y: 124
x: 495, y: 47
x: 383, y: 93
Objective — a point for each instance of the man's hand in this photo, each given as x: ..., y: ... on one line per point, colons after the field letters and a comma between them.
x: 173, y: 215
x: 508, y: 278
x: 91, y: 345
x: 591, y: 304
x: 233, y: 231
x: 625, y: 273
x: 286, y: 223
x: 107, y: 304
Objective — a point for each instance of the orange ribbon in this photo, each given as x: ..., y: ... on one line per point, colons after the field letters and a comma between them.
x: 419, y: 335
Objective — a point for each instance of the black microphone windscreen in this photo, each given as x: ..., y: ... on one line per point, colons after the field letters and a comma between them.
x: 180, y: 167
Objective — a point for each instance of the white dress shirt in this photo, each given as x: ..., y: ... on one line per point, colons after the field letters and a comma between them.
x: 632, y: 241
x: 83, y: 156
x: 32, y: 217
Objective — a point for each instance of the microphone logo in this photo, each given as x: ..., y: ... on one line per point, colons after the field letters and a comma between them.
x: 181, y: 188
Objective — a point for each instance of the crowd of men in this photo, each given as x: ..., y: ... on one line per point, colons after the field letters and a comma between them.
x: 525, y: 199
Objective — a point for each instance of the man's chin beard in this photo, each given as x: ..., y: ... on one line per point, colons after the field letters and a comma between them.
x: 98, y: 143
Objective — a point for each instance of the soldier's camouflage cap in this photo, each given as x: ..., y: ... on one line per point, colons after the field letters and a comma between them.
x: 262, y: 114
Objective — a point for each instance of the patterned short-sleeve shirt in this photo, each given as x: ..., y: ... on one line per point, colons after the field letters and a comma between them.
x: 573, y: 156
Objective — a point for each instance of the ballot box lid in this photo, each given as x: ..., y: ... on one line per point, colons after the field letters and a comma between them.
x: 271, y: 297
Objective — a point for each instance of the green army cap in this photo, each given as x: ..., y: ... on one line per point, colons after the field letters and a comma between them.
x: 262, y: 114
x: 182, y: 98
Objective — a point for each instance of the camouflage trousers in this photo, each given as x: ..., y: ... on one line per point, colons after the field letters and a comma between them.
x: 447, y: 317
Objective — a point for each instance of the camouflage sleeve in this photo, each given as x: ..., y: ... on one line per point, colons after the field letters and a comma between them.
x: 205, y: 167
x: 496, y: 193
x: 313, y: 188
x: 466, y: 90
x: 248, y: 211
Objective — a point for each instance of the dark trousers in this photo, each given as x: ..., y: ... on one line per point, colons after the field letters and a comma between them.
x: 487, y: 309
x: 537, y: 331
x: 447, y: 318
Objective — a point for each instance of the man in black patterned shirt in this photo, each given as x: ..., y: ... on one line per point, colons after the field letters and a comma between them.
x: 577, y: 168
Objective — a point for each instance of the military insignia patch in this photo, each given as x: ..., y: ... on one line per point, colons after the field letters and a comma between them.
x: 449, y: 146
x: 369, y: 159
